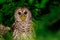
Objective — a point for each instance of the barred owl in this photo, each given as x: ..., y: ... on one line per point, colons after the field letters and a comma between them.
x: 22, y: 27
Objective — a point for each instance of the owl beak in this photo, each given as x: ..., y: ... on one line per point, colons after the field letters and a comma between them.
x: 23, y: 17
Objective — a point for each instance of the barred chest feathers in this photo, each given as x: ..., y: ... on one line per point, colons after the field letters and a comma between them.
x: 22, y: 31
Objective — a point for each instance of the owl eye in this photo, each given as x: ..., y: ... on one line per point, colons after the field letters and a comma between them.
x: 25, y: 13
x: 19, y: 13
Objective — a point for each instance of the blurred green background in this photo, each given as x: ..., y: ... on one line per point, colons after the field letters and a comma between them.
x: 45, y: 15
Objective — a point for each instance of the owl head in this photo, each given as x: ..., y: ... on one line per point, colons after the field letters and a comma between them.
x: 22, y: 14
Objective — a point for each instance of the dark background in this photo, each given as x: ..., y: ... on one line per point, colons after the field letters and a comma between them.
x: 45, y: 15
